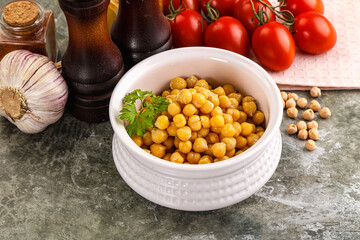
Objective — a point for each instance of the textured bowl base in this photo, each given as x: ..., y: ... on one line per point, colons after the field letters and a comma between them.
x: 197, y: 194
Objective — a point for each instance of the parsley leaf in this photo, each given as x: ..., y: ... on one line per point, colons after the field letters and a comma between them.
x: 145, y: 117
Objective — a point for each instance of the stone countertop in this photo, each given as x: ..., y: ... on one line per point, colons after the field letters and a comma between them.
x: 63, y: 184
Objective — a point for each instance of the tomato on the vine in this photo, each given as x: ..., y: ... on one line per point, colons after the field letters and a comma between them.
x: 274, y: 46
x: 228, y: 33
x: 245, y: 14
x: 188, y: 4
x: 187, y: 29
x: 300, y: 6
x: 314, y: 33
x: 225, y: 7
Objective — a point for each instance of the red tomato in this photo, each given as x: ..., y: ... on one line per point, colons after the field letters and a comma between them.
x: 274, y: 46
x: 186, y: 29
x: 225, y: 7
x: 301, y: 6
x: 314, y: 33
x: 189, y: 4
x: 244, y: 13
x: 228, y: 33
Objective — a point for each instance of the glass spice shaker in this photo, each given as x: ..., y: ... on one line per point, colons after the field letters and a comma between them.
x: 140, y: 30
x: 92, y: 64
x: 26, y: 25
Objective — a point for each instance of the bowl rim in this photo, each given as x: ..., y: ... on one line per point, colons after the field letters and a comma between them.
x: 217, y: 54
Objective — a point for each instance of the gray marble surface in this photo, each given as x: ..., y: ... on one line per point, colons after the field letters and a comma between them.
x: 63, y: 184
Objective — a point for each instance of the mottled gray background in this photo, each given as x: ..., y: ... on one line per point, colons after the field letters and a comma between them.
x: 63, y: 184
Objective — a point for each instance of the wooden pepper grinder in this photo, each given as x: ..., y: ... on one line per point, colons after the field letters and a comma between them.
x: 92, y: 64
x: 140, y: 30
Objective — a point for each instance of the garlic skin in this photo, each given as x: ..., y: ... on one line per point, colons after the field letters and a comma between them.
x: 33, y: 93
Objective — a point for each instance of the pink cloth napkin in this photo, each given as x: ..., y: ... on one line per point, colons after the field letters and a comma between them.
x: 337, y: 69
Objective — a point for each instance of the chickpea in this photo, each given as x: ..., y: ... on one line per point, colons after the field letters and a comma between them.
x: 314, y: 105
x: 178, y: 83
x: 249, y: 108
x: 224, y: 101
x: 168, y: 143
x: 176, y: 142
x: 312, y: 124
x: 219, y: 91
x: 179, y: 120
x: 218, y: 149
x: 203, y: 132
x: 241, y: 142
x: 301, y: 125
x: 252, y: 139
x: 216, y: 111
x: 165, y: 93
x: 258, y: 117
x: 189, y: 110
x: 292, y: 129
x: 185, y: 147
x: 193, y: 157
x: 310, y: 145
x: 230, y: 153
x: 293, y: 96
x: 303, y: 134
x: 216, y: 129
x: 214, y: 99
x: 158, y: 150
x: 235, y: 95
x: 290, y: 103
x: 158, y: 135
x: 292, y: 112
x: 194, y: 123
x: 184, y: 133
x: 314, y: 134
x: 171, y: 130
x: 194, y: 135
x: 185, y: 96
x: 205, y: 121
x: 137, y: 140
x: 315, y: 92
x: 302, y: 102
x: 259, y: 129
x: 191, y: 81
x: 207, y: 107
x: 243, y: 117
x: 175, y: 92
x: 147, y: 138
x: 146, y: 150
x: 308, y: 114
x: 203, y: 91
x: 217, y: 121
x: 174, y: 108
x: 325, y: 112
x: 219, y: 159
x: 260, y: 134
x: 198, y: 100
x: 200, y: 145
x: 248, y: 99
x: 205, y: 160
x: 177, y: 158
x: 234, y: 113
x: 212, y: 138
x: 233, y: 103
x: 202, y: 83
x: 162, y: 122
x: 167, y: 156
x: 228, y: 130
x: 229, y: 89
x: 247, y: 128
x: 239, y: 152
x: 228, y: 118
x: 284, y: 96
x: 230, y: 143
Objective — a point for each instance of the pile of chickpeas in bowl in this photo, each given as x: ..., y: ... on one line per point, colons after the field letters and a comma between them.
x: 203, y: 124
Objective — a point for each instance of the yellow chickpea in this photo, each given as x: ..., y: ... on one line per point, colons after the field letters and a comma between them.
x: 191, y: 81
x: 147, y: 138
x: 259, y: 129
x: 228, y: 88
x: 230, y: 153
x: 234, y: 113
x: 234, y: 104
x: 137, y: 140
x: 247, y: 128
x: 217, y: 121
x: 158, y: 135
x: 252, y: 139
x: 214, y: 99
x: 168, y: 143
x: 193, y: 157
x: 194, y: 135
x: 177, y: 158
x: 248, y: 99
x: 228, y: 118
x: 184, y: 133
x: 243, y: 117
x: 175, y: 92
x: 212, y: 138
x: 167, y: 156
x: 165, y: 93
x: 203, y: 132
x: 238, y: 129
x: 218, y: 149
x: 224, y: 102
x: 219, y: 91
x: 185, y: 146
x: 230, y: 143
x: 185, y: 96
x: 219, y: 159
x: 207, y: 107
x: 178, y: 83
x: 171, y: 130
x: 174, y: 108
x: 176, y: 142
x: 202, y: 83
x: 162, y: 122
x: 241, y: 142
x: 258, y: 117
x: 239, y: 152
x: 179, y: 120
x: 228, y: 130
x: 194, y: 123
x: 198, y: 100
x: 200, y: 145
x: 158, y: 150
x: 249, y: 108
x: 205, y: 160
x: 237, y: 96
x: 216, y: 129
x: 204, y: 91
x: 216, y: 111
x: 189, y: 110
x: 205, y: 121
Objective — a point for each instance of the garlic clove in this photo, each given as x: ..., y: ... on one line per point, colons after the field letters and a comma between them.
x: 33, y: 93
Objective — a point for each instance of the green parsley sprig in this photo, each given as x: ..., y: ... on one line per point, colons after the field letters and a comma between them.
x: 145, y: 117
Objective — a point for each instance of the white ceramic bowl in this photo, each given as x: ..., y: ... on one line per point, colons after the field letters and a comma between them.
x: 208, y: 186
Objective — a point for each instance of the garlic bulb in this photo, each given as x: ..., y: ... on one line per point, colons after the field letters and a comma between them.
x: 33, y: 94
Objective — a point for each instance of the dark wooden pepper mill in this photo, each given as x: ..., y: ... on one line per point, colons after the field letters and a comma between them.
x: 140, y: 30
x: 92, y: 64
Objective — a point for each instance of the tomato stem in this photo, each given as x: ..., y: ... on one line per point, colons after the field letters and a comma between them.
x: 213, y: 13
x: 173, y: 12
